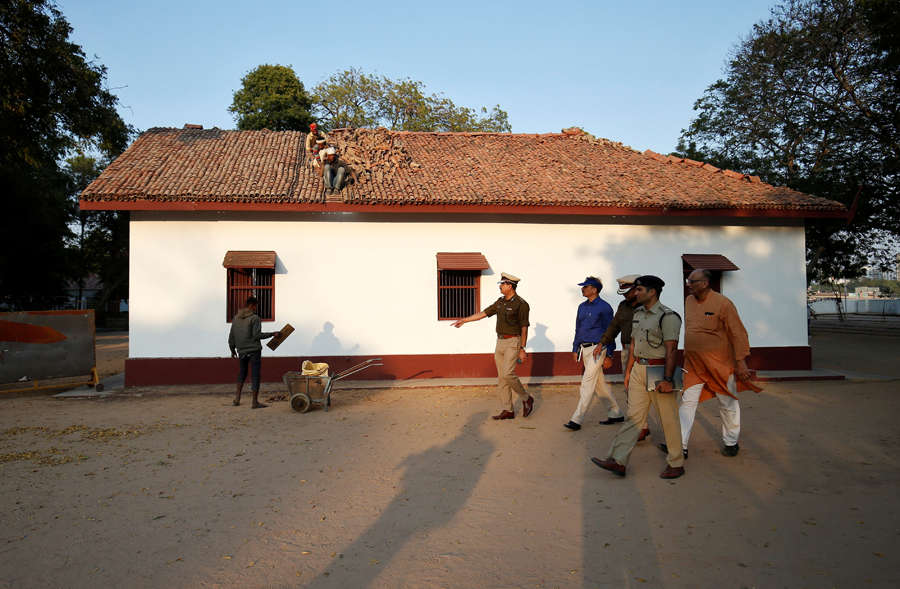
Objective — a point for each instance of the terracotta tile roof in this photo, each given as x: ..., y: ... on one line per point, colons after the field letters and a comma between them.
x: 404, y: 168
x: 462, y: 261
x: 239, y: 259
x: 709, y: 262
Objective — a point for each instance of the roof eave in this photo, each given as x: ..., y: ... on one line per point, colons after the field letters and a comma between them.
x: 153, y: 205
x: 598, y: 211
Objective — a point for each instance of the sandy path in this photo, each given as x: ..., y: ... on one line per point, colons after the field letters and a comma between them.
x: 418, y: 488
x: 111, y: 352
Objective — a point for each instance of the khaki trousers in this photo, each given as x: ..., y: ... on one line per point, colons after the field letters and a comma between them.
x: 626, y: 350
x: 639, y: 399
x: 505, y: 355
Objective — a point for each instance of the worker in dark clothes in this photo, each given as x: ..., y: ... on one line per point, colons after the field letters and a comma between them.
x: 244, y: 341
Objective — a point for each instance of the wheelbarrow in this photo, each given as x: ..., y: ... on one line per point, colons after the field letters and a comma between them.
x: 308, y: 390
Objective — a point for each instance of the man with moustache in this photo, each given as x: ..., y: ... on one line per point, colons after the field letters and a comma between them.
x: 716, y: 348
x: 591, y: 320
x: 512, y: 334
x: 654, y: 341
x: 621, y: 323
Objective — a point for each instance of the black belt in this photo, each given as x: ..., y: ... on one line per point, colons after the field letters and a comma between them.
x: 588, y: 344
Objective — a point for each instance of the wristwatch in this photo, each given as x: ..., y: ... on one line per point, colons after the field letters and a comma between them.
x: 522, y: 347
x: 669, y: 379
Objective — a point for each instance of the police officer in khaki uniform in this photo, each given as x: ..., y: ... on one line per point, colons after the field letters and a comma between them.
x: 512, y: 334
x: 654, y: 341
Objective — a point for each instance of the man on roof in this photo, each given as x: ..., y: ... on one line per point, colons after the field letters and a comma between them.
x: 332, y: 170
x: 315, y: 141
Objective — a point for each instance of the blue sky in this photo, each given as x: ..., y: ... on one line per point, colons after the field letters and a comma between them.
x: 627, y: 71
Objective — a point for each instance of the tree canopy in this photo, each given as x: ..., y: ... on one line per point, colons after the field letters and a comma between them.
x: 53, y: 104
x: 99, y: 246
x: 272, y: 97
x: 353, y: 98
x: 811, y: 100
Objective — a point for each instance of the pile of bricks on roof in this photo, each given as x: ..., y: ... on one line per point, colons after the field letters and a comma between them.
x: 371, y: 154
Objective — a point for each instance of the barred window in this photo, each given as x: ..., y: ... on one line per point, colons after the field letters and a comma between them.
x: 250, y: 273
x: 256, y: 282
x: 458, y: 293
x: 459, y: 283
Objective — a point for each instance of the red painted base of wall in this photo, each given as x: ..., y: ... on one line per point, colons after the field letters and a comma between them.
x: 173, y: 371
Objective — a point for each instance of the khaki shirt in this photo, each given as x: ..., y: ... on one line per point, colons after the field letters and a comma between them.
x: 311, y: 140
x: 621, y: 323
x: 512, y: 315
x: 646, y: 334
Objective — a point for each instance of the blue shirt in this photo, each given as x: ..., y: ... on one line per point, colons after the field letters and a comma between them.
x: 592, y: 320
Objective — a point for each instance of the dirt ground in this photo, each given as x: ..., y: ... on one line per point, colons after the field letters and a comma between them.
x: 419, y: 488
x: 112, y: 351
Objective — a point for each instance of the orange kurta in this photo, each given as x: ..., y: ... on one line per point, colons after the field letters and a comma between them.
x: 714, y: 340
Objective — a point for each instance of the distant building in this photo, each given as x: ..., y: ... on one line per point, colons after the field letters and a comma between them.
x: 79, y: 297
x: 874, y: 273
x: 82, y: 297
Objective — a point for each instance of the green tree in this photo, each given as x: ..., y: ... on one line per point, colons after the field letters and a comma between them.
x: 99, y: 245
x: 272, y: 97
x: 810, y: 100
x: 52, y: 103
x: 350, y: 98
x: 353, y: 98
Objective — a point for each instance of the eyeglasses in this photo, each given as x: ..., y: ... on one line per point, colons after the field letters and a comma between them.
x: 690, y: 282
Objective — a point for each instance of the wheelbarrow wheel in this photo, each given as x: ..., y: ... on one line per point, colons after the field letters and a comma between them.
x: 300, y: 402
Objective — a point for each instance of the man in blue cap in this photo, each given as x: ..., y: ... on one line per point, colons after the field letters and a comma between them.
x: 593, y: 317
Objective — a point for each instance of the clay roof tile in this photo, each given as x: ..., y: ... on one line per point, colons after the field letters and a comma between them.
x: 571, y: 168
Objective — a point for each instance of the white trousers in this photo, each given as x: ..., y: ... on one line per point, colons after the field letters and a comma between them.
x: 729, y: 411
x: 592, y: 381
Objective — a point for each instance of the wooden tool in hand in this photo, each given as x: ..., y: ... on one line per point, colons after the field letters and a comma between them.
x: 282, y: 335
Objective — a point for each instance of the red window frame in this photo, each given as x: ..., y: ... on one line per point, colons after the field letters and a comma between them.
x: 241, y: 283
x: 452, y: 300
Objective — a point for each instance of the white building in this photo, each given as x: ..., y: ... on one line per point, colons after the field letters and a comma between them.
x: 875, y: 273
x: 421, y: 237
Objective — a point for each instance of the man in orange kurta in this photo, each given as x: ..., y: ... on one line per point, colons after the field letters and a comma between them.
x: 716, y: 348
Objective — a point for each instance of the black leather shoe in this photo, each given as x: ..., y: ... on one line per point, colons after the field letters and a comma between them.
x: 572, y: 426
x: 610, y: 465
x: 612, y: 420
x: 731, y: 450
x: 665, y: 450
x: 527, y: 406
x: 504, y: 415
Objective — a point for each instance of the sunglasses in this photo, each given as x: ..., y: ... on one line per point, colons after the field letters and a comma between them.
x: 690, y: 282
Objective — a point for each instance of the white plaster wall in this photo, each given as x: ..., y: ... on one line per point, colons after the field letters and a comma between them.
x: 375, y: 282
